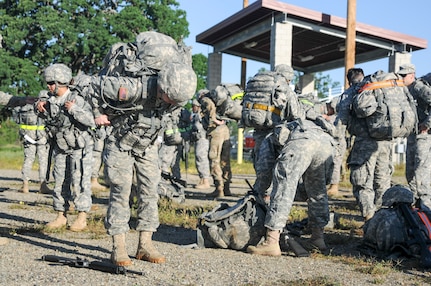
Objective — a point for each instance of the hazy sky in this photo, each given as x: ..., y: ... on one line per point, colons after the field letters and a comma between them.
x: 407, y: 17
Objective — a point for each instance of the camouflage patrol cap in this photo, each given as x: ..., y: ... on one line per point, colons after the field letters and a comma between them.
x: 285, y: 70
x: 406, y: 69
x: 397, y: 194
x: 58, y: 73
x: 178, y: 81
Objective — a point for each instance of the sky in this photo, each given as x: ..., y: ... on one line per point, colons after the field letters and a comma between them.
x: 407, y: 17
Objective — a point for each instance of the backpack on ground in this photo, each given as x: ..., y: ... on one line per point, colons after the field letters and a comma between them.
x: 264, y: 100
x: 234, y: 227
x: 171, y: 189
x: 228, y: 99
x: 387, y: 106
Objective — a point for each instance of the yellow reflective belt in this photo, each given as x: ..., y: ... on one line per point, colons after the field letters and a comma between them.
x: 272, y: 109
x: 32, y: 127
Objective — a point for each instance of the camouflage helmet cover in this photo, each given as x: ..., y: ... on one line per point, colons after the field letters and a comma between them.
x: 58, y: 73
x: 285, y: 70
x: 179, y: 81
x: 397, y: 194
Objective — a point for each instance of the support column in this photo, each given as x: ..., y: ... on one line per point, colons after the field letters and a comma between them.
x: 397, y: 59
x: 306, y: 81
x: 281, y: 44
x: 214, y: 70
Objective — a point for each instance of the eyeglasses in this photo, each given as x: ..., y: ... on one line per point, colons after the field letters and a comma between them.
x: 403, y: 75
x: 50, y: 83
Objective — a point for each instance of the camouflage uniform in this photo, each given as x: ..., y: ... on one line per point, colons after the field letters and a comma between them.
x: 73, y: 150
x: 418, y: 155
x: 219, y: 149
x: 308, y: 155
x: 201, y: 143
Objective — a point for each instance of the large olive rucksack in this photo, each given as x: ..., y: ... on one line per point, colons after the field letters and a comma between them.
x: 234, y: 227
x: 264, y: 100
x: 387, y: 107
x: 227, y: 98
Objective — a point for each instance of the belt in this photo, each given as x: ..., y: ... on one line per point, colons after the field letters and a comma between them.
x: 260, y: 106
x: 382, y: 84
x: 31, y: 127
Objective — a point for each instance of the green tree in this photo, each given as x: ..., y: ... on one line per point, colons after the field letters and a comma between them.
x: 79, y: 33
x: 200, y: 66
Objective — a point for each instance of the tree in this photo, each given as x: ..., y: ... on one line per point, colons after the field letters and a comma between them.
x: 78, y: 33
x: 200, y: 66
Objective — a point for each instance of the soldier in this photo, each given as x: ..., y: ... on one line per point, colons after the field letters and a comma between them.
x: 134, y: 142
x: 99, y: 145
x: 69, y: 120
x: 12, y: 101
x: 306, y: 154
x: 35, y: 141
x: 200, y: 140
x: 418, y: 160
x: 219, y: 148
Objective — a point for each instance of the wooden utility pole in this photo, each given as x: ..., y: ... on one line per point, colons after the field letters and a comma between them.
x: 243, y: 83
x: 350, y: 53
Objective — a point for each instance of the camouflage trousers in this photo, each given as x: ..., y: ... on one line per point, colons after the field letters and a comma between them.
x: 258, y: 136
x: 72, y: 175
x: 338, y: 160
x: 418, y: 166
x: 99, y: 145
x: 370, y: 163
x: 119, y: 168
x: 267, y: 154
x: 170, y: 156
x: 309, y: 157
x: 219, y: 155
x: 201, y: 158
x: 30, y: 151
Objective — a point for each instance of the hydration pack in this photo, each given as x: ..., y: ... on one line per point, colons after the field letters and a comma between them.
x: 387, y: 107
x: 234, y: 227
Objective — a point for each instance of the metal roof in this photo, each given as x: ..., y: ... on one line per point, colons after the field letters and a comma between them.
x: 318, y: 38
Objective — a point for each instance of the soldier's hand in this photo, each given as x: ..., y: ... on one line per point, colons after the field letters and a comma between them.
x: 102, y: 120
x: 69, y: 104
x: 40, y: 105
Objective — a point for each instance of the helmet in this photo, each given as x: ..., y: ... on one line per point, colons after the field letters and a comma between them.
x: 58, y: 73
x: 397, y: 194
x: 285, y: 70
x: 179, y: 81
x: 195, y: 102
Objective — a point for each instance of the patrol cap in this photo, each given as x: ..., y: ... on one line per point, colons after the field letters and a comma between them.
x: 285, y: 70
x: 59, y: 73
x: 406, y: 69
x: 178, y: 81
x: 195, y: 102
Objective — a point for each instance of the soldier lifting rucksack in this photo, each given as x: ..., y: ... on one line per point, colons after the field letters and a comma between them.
x: 264, y: 100
x: 386, y: 105
x: 228, y: 99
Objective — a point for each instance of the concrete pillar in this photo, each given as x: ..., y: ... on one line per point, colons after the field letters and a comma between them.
x: 214, y: 70
x: 306, y: 81
x: 398, y: 59
x: 281, y: 44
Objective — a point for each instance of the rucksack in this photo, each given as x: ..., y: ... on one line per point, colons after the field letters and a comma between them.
x: 387, y: 106
x: 24, y: 114
x: 147, y: 55
x: 228, y: 99
x: 264, y: 100
x: 234, y: 227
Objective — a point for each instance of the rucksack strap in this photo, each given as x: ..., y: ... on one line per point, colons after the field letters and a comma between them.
x: 260, y: 106
x: 382, y: 84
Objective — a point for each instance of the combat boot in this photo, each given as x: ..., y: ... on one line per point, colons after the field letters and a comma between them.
x: 119, y: 254
x: 44, y: 189
x: 218, y: 193
x: 226, y: 189
x: 317, y: 240
x: 269, y: 247
x: 96, y: 186
x: 204, y: 183
x: 333, y: 190
x: 24, y: 188
x: 146, y: 250
x: 80, y: 223
x: 59, y: 222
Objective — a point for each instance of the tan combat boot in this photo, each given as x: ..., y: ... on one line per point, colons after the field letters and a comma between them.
x: 80, y: 223
x: 204, y: 183
x: 24, y: 188
x: 270, y: 246
x: 218, y: 193
x: 44, y: 189
x: 119, y: 254
x: 146, y: 250
x: 59, y: 222
x: 317, y: 239
x: 96, y: 186
x: 333, y: 190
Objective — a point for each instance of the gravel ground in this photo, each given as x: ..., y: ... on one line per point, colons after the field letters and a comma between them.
x: 21, y: 249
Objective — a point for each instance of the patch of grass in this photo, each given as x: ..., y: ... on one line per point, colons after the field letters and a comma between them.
x: 96, y: 225
x: 314, y: 281
x: 298, y: 213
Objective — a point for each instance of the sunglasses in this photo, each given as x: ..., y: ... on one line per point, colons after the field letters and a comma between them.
x: 50, y: 83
